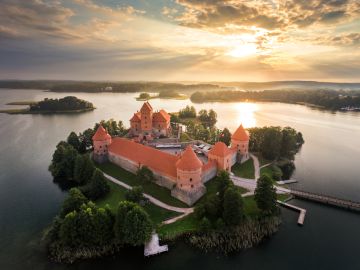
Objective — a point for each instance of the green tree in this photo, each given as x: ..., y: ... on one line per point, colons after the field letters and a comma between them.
x: 123, y: 209
x: 73, y: 140
x: 84, y: 169
x: 137, y: 227
x: 233, y: 206
x: 265, y: 195
x: 97, y: 186
x: 144, y: 174
x: 135, y: 194
x: 205, y: 224
x: 223, y: 183
x: 271, y: 145
x: 63, y: 161
x: 288, y: 142
x: 86, y: 138
x: 213, y: 207
x: 88, y: 227
x: 225, y: 137
x: 203, y: 116
x: 212, y: 118
x: 74, y: 201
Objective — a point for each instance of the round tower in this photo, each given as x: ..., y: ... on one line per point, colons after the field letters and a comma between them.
x: 240, y: 141
x: 188, y: 169
x: 101, y: 142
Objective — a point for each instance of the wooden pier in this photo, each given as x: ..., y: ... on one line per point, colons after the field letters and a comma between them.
x: 347, y: 204
x: 302, y: 211
x: 153, y: 247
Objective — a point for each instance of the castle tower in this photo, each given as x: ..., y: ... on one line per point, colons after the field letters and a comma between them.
x: 240, y: 141
x: 146, y: 118
x: 189, y: 187
x: 223, y: 156
x: 101, y: 142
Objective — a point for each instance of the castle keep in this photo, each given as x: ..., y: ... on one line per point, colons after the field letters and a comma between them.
x: 183, y: 173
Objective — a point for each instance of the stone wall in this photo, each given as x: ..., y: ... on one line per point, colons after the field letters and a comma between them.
x: 131, y: 166
x: 189, y: 196
x: 209, y: 174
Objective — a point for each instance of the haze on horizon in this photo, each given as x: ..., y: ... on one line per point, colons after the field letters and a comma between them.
x: 180, y: 40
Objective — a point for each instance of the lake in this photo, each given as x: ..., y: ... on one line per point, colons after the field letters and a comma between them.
x: 327, y: 163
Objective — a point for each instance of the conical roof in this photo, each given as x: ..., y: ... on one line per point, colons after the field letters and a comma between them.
x: 240, y: 134
x: 219, y: 149
x: 188, y: 160
x: 101, y: 134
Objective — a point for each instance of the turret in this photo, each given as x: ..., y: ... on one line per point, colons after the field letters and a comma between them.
x: 101, y: 142
x: 188, y: 169
x: 146, y: 117
x: 240, y: 141
x: 223, y: 156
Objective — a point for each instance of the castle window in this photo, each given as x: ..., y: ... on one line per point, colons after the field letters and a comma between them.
x: 192, y: 186
x: 190, y: 179
x: 100, y: 146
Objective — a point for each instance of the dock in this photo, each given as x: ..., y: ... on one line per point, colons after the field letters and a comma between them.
x: 302, y: 212
x: 153, y: 247
x: 284, y: 182
x: 325, y: 199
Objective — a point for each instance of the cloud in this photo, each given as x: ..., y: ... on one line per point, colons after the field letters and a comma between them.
x: 271, y: 15
x: 350, y: 39
x: 83, y: 20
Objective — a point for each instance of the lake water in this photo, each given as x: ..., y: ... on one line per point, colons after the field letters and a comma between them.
x: 329, y: 163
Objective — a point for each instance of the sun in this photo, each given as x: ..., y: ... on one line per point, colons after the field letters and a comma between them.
x: 242, y: 50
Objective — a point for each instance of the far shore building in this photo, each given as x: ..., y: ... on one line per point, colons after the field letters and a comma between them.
x: 184, y: 173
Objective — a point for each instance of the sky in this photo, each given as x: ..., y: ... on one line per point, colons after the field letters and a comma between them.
x: 180, y: 40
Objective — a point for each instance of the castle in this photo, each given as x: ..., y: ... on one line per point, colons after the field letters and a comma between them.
x: 146, y: 123
x: 185, y: 173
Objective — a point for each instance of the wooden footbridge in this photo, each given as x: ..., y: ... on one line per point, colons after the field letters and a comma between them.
x: 348, y: 204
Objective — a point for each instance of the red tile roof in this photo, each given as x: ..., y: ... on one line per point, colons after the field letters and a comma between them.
x: 161, y: 116
x: 154, y: 159
x: 220, y: 149
x: 101, y: 134
x: 136, y: 117
x: 240, y: 134
x: 146, y: 107
x: 188, y: 160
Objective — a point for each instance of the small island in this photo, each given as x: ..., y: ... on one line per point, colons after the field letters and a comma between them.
x: 69, y: 104
x: 120, y: 199
x: 164, y: 94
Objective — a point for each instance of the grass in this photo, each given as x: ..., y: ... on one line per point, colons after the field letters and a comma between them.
x: 117, y: 194
x: 211, y: 188
x: 245, y: 170
x: 262, y: 160
x: 266, y: 170
x: 250, y: 207
x: 185, y: 225
x: 161, y: 193
x: 283, y: 197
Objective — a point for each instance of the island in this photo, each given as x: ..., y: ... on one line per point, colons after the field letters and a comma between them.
x: 164, y: 94
x: 132, y: 185
x: 69, y: 104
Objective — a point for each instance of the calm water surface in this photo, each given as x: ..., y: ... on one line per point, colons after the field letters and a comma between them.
x: 329, y: 163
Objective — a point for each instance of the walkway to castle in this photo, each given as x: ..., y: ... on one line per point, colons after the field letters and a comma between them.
x: 184, y: 211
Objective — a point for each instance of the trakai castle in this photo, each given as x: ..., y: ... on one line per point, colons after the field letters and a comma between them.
x: 183, y: 171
